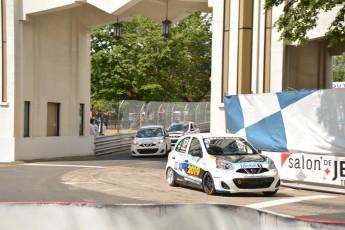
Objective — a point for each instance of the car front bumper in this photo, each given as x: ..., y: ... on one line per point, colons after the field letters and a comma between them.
x: 158, y: 149
x: 246, y: 183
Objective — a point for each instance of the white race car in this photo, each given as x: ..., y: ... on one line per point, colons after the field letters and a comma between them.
x: 151, y: 140
x: 221, y: 163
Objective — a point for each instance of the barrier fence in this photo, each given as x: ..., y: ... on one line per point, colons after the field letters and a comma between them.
x: 128, y: 115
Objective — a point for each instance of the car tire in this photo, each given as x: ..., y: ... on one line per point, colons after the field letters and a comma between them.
x: 208, y: 184
x: 166, y: 150
x: 270, y: 193
x: 171, y: 177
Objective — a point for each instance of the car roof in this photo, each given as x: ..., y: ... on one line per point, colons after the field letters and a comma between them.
x: 182, y: 122
x: 151, y: 126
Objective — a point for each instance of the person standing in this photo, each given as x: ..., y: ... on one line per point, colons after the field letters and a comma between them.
x: 93, y: 128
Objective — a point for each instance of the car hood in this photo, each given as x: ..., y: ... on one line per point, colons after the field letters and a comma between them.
x: 244, y: 158
x: 176, y: 132
x: 148, y: 139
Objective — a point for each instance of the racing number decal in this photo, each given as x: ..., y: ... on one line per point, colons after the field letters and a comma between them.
x: 193, y: 170
x: 190, y: 170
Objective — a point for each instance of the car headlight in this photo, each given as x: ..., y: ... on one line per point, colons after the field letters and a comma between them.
x: 224, y: 165
x: 161, y: 141
x: 134, y: 142
x: 271, y: 164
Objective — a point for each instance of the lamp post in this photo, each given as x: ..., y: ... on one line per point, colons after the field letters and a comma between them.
x: 117, y: 33
x: 166, y: 25
x: 166, y: 28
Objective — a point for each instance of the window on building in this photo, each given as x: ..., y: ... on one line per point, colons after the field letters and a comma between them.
x: 26, y: 119
x: 81, y: 119
x: 53, y: 117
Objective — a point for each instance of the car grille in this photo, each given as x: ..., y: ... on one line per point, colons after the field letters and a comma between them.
x: 253, y: 183
x: 252, y: 170
x: 173, y: 140
x: 147, y: 144
x: 147, y: 151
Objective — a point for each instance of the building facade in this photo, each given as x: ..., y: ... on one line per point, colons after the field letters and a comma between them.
x: 249, y: 58
x: 45, y: 65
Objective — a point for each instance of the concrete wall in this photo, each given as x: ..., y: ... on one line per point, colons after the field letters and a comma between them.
x: 308, y: 66
x: 291, y: 67
x: 127, y: 217
x: 217, y: 107
x: 257, y: 49
x: 56, y: 68
x: 7, y: 108
x: 48, y: 61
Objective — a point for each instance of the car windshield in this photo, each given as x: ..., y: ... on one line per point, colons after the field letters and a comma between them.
x: 178, y: 127
x: 149, y: 132
x: 228, y: 146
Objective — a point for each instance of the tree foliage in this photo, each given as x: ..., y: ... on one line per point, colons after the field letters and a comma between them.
x: 339, y: 68
x: 300, y: 16
x: 143, y: 65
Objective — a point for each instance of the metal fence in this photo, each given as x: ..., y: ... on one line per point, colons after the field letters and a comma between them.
x: 127, y: 115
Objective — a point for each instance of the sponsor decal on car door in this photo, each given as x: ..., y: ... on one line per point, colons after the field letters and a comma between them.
x: 190, y: 171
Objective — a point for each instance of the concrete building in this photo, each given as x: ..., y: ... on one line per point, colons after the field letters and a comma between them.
x: 45, y: 65
x: 247, y: 56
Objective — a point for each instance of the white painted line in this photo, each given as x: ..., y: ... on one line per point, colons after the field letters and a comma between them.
x: 57, y: 165
x: 286, y: 201
x: 82, y: 182
x: 109, y: 190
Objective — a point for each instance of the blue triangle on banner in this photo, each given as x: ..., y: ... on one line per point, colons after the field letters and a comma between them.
x: 233, y: 114
x: 287, y: 98
x: 268, y: 133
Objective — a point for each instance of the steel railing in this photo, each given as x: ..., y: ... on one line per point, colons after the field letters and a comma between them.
x: 117, y: 143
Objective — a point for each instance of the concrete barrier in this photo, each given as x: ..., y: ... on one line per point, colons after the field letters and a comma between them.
x: 30, y: 216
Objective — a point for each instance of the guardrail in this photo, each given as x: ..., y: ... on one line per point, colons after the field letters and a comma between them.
x: 117, y: 143
x: 120, y: 143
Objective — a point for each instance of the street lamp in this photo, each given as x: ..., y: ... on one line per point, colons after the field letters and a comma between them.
x: 166, y: 28
x: 117, y: 33
x: 166, y: 25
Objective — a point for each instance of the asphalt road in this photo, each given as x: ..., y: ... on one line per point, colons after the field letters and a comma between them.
x: 121, y: 179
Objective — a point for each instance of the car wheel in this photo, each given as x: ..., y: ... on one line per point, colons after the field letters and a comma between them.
x: 208, y: 184
x: 171, y: 177
x: 270, y: 193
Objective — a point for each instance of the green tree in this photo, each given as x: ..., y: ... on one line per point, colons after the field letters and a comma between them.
x: 339, y: 68
x: 300, y: 16
x: 192, y: 48
x: 145, y: 66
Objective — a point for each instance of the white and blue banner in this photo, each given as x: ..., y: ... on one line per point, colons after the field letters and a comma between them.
x: 297, y: 121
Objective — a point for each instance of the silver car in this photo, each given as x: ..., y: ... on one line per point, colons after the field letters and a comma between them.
x: 179, y: 129
x: 151, y: 140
